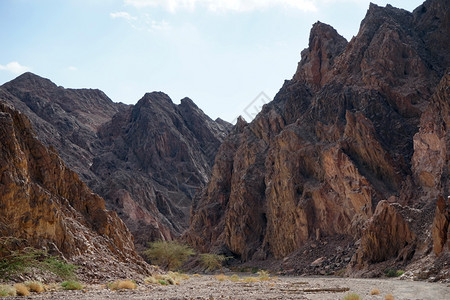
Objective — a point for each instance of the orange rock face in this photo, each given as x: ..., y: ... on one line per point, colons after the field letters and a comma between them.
x: 45, y: 204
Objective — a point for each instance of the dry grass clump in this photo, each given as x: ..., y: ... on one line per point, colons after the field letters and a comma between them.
x: 196, y: 275
x: 250, y: 279
x: 21, y: 289
x: 375, y: 292
x: 235, y: 278
x: 35, y: 286
x: 7, y: 290
x: 122, y: 285
x: 221, y: 277
x: 167, y: 279
x: 263, y: 275
x: 389, y: 297
x: 352, y: 296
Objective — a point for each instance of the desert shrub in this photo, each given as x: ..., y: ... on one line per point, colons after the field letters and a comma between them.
x: 212, y: 262
x: 375, y: 292
x: 263, y: 275
x: 235, y: 278
x: 60, y: 268
x: 20, y: 261
x: 389, y: 297
x: 352, y: 296
x: 255, y: 270
x: 162, y: 282
x: 169, y: 255
x: 221, y: 277
x: 251, y: 279
x: 122, y: 285
x: 21, y: 289
x: 393, y: 273
x: 7, y: 290
x: 35, y: 286
x: 71, y: 285
x: 178, y: 276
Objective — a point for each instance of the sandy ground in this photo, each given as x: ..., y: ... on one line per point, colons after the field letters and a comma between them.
x: 208, y: 287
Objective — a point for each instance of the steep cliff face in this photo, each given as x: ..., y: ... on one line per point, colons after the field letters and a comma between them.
x: 337, y: 139
x: 44, y: 204
x: 146, y: 161
x: 156, y: 155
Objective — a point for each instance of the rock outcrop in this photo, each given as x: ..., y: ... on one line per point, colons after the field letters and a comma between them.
x: 146, y: 160
x: 45, y: 205
x: 338, y: 140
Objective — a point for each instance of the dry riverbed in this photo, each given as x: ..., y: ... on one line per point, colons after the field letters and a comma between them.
x: 210, y: 287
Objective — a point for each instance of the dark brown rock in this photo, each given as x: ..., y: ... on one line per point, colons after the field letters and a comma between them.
x: 147, y: 161
x: 336, y: 140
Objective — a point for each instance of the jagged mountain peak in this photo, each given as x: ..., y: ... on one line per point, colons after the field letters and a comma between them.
x: 316, y: 163
x: 325, y: 44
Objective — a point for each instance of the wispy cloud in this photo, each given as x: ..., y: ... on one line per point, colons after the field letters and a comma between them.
x: 14, y: 67
x: 224, y: 5
x: 72, y: 68
x: 143, y: 22
x: 122, y: 15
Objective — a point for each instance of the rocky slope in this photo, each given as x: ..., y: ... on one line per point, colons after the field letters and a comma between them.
x: 145, y: 160
x: 45, y: 205
x: 338, y: 155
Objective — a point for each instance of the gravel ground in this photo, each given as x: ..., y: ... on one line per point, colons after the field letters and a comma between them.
x: 208, y: 287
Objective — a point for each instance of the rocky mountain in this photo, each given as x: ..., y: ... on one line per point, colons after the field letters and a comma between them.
x: 146, y: 160
x: 348, y: 166
x: 43, y: 204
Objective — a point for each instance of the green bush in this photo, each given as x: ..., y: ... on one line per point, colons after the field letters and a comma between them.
x: 212, y: 262
x: 20, y: 261
x: 393, y: 273
x: 168, y: 255
x: 71, y: 285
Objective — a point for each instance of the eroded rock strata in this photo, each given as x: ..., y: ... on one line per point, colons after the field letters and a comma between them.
x: 45, y: 205
x: 353, y: 148
x: 146, y: 160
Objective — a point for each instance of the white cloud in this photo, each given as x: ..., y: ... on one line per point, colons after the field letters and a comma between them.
x: 122, y: 15
x: 14, y: 67
x: 224, y: 5
x: 72, y: 68
x: 143, y: 22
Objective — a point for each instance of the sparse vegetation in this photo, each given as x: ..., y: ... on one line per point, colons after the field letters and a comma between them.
x: 122, y: 285
x: 375, y: 292
x: 35, y: 286
x: 263, y: 275
x: 393, y: 273
x: 169, y: 255
x: 21, y: 261
x: 212, y: 262
x: 221, y: 277
x: 71, y: 285
x: 235, y: 278
x: 7, y: 290
x: 352, y: 296
x: 250, y: 279
x: 21, y: 289
x: 389, y: 297
x: 169, y: 278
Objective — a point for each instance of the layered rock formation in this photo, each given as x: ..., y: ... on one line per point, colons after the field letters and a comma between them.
x: 146, y: 161
x: 45, y: 205
x: 340, y: 138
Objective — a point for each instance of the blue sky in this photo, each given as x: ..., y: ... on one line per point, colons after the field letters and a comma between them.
x: 220, y: 53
